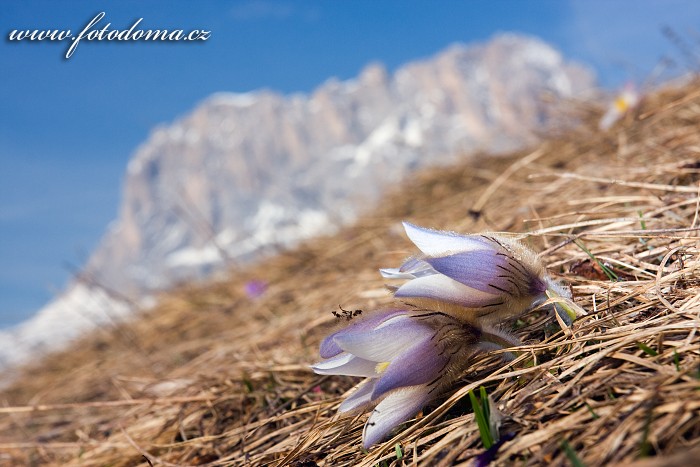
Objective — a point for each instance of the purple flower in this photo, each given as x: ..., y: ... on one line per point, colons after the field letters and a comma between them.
x: 473, y: 282
x: 255, y: 288
x: 407, y: 357
x: 484, y: 278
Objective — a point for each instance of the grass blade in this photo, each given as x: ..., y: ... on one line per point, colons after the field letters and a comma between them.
x: 571, y: 454
x: 647, y: 350
x: 482, y: 418
x: 608, y: 272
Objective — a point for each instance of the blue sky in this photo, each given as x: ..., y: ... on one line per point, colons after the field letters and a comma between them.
x: 68, y: 126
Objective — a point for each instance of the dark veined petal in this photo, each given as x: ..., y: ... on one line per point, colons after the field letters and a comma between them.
x: 396, y: 408
x: 438, y: 243
x: 484, y: 270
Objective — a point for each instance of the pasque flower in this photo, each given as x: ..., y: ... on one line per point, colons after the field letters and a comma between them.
x: 460, y: 288
x: 407, y: 356
x: 481, y: 278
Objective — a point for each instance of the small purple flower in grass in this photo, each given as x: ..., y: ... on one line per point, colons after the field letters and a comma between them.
x: 407, y: 356
x: 484, y: 278
x: 255, y: 288
x: 486, y: 457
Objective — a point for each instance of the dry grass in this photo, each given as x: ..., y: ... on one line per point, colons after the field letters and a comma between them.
x: 212, y: 377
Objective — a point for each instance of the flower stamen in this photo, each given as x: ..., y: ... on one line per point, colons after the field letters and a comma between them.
x: 381, y: 367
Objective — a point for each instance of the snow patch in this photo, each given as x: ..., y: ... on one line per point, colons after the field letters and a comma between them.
x: 413, y: 133
x: 561, y: 83
x: 226, y: 237
x: 539, y: 54
x: 194, y: 257
x: 79, y: 309
x: 241, y: 99
x: 312, y: 222
x: 383, y: 136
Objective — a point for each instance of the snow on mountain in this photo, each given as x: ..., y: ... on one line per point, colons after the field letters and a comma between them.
x: 79, y: 309
x: 244, y: 174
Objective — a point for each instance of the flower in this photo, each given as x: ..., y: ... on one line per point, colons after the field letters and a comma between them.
x: 626, y: 100
x: 479, y: 278
x: 255, y: 288
x: 407, y: 356
x: 459, y: 289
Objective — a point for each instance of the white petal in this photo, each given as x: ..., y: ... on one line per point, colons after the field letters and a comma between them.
x: 346, y: 364
x: 394, y: 409
x: 398, y: 320
x: 438, y: 243
x: 382, y: 344
x: 395, y: 273
x: 410, y: 269
x: 360, y: 397
x: 440, y: 287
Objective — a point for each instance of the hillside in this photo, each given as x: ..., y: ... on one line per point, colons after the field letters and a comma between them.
x: 244, y: 175
x: 215, y: 376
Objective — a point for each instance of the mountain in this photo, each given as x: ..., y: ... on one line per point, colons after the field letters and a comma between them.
x: 245, y: 174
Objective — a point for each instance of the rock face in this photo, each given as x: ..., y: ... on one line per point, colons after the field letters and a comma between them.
x: 246, y: 173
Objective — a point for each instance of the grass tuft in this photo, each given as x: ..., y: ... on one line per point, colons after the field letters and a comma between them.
x: 482, y: 415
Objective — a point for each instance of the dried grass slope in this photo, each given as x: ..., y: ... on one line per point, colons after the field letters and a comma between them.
x: 212, y: 377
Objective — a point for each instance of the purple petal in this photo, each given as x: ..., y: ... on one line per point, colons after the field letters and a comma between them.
x: 437, y: 243
x: 255, y: 288
x: 386, y: 341
x: 485, y: 458
x: 421, y: 365
x: 442, y: 288
x: 329, y: 348
x: 361, y: 396
x: 346, y: 364
x: 484, y: 270
x: 396, y: 408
